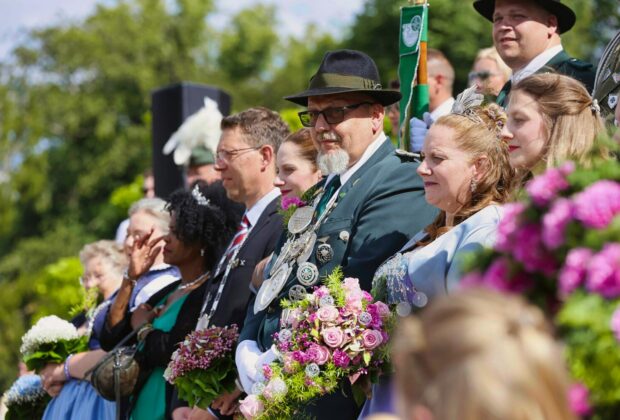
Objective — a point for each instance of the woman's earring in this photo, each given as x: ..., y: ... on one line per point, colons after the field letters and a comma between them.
x: 202, y: 252
x: 473, y: 185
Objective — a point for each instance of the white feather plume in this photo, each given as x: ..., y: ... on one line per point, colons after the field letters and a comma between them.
x: 467, y: 99
x: 199, y: 129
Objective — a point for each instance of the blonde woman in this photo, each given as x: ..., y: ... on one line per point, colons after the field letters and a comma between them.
x: 467, y: 176
x: 551, y: 119
x: 489, y: 73
x: 479, y: 355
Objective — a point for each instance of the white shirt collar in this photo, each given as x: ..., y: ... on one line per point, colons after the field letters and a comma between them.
x: 370, y: 150
x: 254, y: 213
x: 443, y: 109
x: 536, y: 64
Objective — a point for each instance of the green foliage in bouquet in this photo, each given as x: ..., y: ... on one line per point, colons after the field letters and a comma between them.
x: 200, y: 387
x: 55, y: 352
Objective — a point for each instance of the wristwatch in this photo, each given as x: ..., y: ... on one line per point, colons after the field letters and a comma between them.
x: 127, y: 277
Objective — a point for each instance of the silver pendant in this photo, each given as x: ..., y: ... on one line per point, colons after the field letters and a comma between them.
x: 282, y: 257
x: 203, y: 323
x: 271, y: 287
x: 307, y: 249
x: 324, y: 253
x: 308, y: 274
x: 297, y: 293
x: 301, y: 219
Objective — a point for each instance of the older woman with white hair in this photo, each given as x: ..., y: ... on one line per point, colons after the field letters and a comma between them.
x: 75, y: 398
x: 147, y: 218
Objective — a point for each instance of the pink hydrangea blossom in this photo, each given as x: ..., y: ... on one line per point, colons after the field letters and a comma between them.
x: 508, y: 226
x: 555, y: 221
x: 545, y: 187
x: 603, y: 274
x: 573, y: 273
x: 529, y: 250
x: 498, y: 277
x: 291, y: 201
x: 597, y: 205
x: 578, y: 399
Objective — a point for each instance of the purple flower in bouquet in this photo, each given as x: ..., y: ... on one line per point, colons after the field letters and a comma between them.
x: 545, y: 187
x: 318, y: 354
x: 615, y: 323
x: 508, y: 226
x: 292, y: 201
x: 555, y: 221
x: 528, y: 249
x: 573, y: 274
x: 578, y: 399
x: 597, y: 205
x: 341, y: 359
x: 603, y: 275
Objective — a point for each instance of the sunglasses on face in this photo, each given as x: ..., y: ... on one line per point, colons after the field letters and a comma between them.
x: 482, y: 75
x: 332, y: 115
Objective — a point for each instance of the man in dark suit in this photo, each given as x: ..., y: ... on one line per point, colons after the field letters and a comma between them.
x: 526, y: 34
x: 370, y: 203
x: 245, y: 158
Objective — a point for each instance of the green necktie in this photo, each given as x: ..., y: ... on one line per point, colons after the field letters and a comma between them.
x: 330, y: 189
x: 502, y: 98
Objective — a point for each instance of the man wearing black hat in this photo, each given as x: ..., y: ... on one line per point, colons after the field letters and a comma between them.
x: 526, y: 34
x: 364, y: 210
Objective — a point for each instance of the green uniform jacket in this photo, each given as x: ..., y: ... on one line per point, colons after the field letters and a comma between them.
x: 561, y: 63
x: 379, y: 208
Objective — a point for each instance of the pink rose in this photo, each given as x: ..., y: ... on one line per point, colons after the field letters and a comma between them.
x: 327, y: 313
x: 382, y: 309
x: 351, y: 285
x: 372, y: 339
x: 333, y: 337
x: 318, y: 354
x: 275, y: 388
x: 251, y: 407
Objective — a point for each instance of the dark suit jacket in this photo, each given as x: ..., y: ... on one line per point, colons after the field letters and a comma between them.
x: 561, y: 63
x: 380, y: 207
x: 258, y: 246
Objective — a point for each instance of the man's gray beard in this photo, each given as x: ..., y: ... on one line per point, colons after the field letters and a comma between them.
x: 334, y: 162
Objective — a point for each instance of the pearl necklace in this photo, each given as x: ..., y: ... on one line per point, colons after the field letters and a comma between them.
x: 194, y: 282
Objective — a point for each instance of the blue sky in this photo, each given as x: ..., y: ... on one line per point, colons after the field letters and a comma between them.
x: 17, y: 16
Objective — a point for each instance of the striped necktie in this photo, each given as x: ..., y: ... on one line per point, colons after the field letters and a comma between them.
x: 237, y: 240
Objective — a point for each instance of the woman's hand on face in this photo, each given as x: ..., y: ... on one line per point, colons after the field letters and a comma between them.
x: 143, y: 313
x: 227, y: 403
x: 144, y: 251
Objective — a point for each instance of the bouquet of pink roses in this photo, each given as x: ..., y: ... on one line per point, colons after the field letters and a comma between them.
x: 336, y: 332
x: 203, y: 367
x: 560, y: 247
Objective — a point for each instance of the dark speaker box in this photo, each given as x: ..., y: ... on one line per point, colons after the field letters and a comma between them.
x: 171, y: 105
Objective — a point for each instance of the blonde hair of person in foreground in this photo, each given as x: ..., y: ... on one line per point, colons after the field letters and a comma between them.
x: 478, y: 355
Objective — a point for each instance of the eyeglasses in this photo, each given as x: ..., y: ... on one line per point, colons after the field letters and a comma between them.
x: 331, y: 115
x: 482, y: 75
x: 227, y: 155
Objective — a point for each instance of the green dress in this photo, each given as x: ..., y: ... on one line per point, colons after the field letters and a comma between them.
x: 151, y: 402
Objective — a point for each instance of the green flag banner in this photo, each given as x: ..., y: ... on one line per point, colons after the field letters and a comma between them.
x: 412, y: 48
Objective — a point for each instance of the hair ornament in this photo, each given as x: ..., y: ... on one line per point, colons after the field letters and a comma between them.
x: 595, y: 107
x: 465, y: 103
x: 199, y: 197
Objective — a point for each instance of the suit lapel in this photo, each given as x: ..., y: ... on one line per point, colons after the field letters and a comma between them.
x: 263, y: 220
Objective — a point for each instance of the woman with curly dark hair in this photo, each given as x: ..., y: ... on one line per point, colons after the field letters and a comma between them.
x: 201, y: 224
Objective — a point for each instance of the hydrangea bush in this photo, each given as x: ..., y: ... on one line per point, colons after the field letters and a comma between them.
x: 560, y: 247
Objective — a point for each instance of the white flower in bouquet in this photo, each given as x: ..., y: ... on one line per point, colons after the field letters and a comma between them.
x: 49, y: 329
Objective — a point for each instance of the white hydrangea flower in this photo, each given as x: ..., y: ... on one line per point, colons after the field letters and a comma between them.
x: 49, y: 329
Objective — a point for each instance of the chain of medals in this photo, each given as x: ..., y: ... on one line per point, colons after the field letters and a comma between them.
x: 297, y: 249
x: 205, y: 319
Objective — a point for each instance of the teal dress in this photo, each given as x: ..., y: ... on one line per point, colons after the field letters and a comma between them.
x: 151, y: 402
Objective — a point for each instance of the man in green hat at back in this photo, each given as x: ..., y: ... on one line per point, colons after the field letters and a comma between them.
x: 366, y: 208
x: 526, y: 34
x: 201, y: 166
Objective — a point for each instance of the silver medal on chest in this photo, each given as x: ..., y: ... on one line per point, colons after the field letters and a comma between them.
x: 308, y: 240
x: 301, y: 219
x: 307, y: 274
x: 271, y: 287
x: 282, y: 257
x: 297, y: 293
x: 324, y: 253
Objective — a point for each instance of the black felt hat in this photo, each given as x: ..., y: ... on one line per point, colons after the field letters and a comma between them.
x: 566, y: 16
x: 344, y: 71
